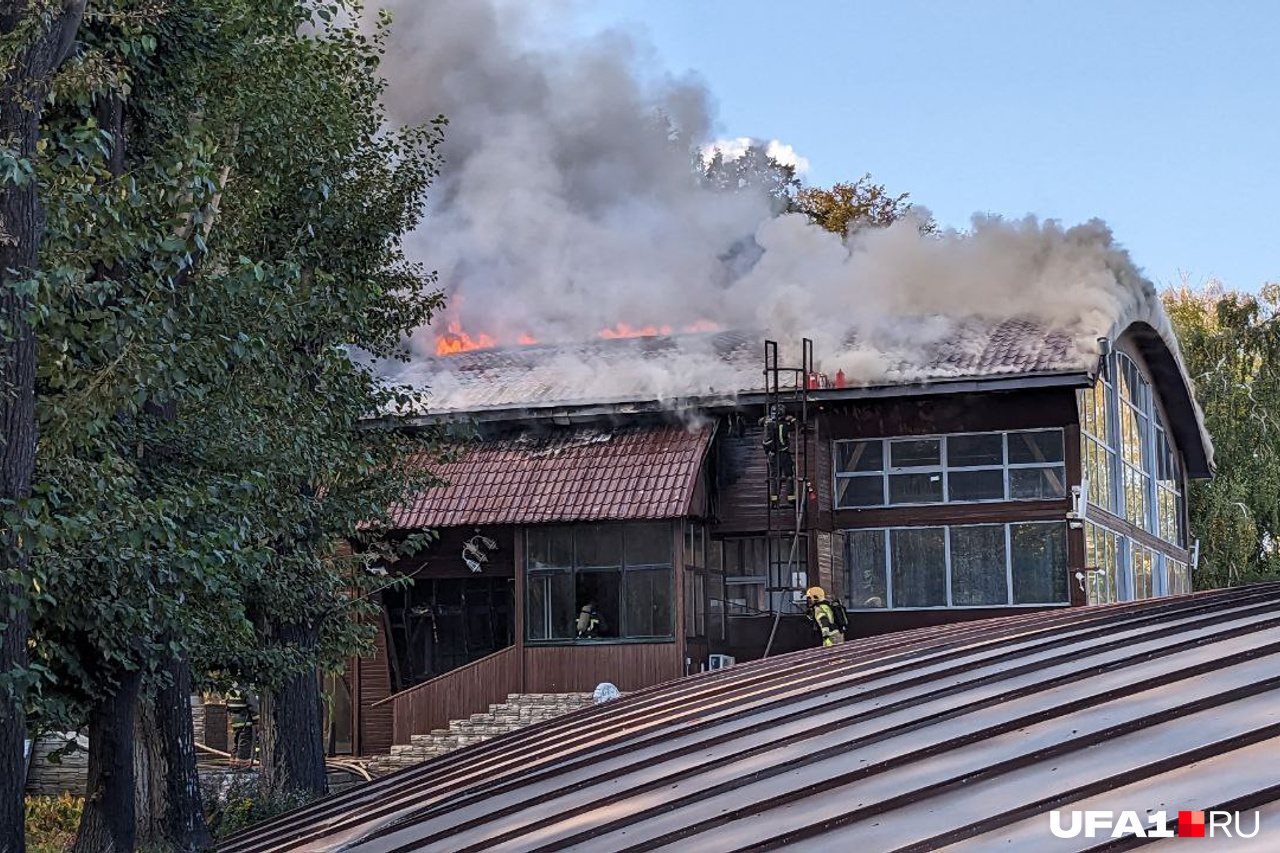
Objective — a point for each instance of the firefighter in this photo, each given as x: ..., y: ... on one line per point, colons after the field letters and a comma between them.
x: 590, y: 624
x: 778, y: 430
x: 243, y: 711
x: 823, y: 616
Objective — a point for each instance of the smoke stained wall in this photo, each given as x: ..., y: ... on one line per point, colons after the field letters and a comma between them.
x: 567, y: 207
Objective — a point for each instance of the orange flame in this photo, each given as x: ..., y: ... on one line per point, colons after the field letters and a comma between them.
x: 526, y: 340
x: 622, y: 330
x: 457, y: 341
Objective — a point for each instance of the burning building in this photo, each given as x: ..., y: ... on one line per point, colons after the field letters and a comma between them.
x: 993, y: 469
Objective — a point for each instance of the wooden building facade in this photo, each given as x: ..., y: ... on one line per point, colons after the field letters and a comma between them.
x: 927, y: 502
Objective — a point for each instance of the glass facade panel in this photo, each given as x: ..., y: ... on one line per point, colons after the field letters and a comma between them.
x: 1039, y: 562
x: 572, y: 568
x: 864, y: 561
x: 915, y: 453
x: 979, y: 485
x: 918, y: 558
x: 975, y: 450
x: 860, y: 456
x: 915, y: 488
x: 978, y: 563
x: 959, y: 468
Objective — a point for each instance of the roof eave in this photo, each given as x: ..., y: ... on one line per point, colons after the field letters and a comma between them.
x: 569, y: 413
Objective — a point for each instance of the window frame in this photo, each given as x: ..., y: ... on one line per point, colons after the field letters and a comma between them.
x: 887, y: 546
x: 541, y: 574
x: 943, y: 468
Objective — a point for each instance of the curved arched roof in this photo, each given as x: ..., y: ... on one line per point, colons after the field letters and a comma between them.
x: 961, y: 737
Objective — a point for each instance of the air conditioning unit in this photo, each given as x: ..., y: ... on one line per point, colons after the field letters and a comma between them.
x: 719, y: 661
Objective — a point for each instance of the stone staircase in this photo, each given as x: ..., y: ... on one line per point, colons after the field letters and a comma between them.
x: 520, y: 710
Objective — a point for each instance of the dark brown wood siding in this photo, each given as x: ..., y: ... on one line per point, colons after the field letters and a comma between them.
x: 374, y: 685
x: 442, y: 558
x: 455, y: 695
x: 1033, y: 409
x: 630, y: 666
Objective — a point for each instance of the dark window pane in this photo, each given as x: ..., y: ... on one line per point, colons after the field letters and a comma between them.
x: 915, y: 453
x: 700, y: 605
x: 1039, y: 563
x: 918, y: 558
x: 649, y: 612
x: 550, y: 547
x: 745, y: 558
x: 715, y: 555
x: 978, y: 570
x: 744, y: 597
x: 915, y: 488
x: 715, y: 607
x: 550, y: 612
x: 699, y: 546
x: 598, y: 545
x: 1039, y: 446
x: 976, y: 485
x: 860, y: 491
x: 864, y: 568
x: 860, y: 456
x: 535, y: 614
x: 647, y: 544
x: 690, y: 604
x: 1037, y: 483
x: 602, y: 591
x: 970, y: 450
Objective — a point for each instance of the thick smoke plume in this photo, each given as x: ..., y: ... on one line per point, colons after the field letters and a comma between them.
x: 568, y: 205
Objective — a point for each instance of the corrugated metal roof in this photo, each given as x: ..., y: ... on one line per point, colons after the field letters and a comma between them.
x: 568, y: 475
x: 960, y: 737
x: 729, y: 363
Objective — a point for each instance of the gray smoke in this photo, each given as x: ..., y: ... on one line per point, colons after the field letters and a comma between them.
x: 567, y: 207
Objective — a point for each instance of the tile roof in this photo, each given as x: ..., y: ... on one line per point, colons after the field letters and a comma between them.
x: 729, y: 363
x: 569, y: 475
x: 962, y: 737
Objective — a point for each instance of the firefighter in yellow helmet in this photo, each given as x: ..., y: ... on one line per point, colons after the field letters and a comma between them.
x: 823, y: 616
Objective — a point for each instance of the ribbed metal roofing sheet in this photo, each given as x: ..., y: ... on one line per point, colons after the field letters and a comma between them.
x: 961, y: 737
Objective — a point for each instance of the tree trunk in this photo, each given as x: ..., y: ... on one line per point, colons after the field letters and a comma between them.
x: 185, y: 829
x: 23, y: 88
x: 108, y: 824
x: 293, y: 736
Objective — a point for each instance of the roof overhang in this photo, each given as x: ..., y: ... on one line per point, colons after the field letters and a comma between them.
x: 570, y: 413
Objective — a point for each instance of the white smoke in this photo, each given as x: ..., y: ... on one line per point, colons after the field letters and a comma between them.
x: 566, y: 206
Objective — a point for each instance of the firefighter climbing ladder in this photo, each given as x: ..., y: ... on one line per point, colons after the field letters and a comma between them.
x: 786, y: 432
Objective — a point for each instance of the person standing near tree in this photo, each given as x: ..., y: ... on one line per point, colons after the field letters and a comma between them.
x: 242, y: 708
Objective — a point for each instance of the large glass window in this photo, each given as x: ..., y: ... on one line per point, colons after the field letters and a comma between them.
x: 978, y: 562
x: 750, y: 569
x: 1038, y: 562
x: 992, y: 466
x: 1170, y: 523
x: 980, y: 565
x: 918, y: 557
x: 618, y: 574
x: 1098, y: 454
x: 1101, y: 564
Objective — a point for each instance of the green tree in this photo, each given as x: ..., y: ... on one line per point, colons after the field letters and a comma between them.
x: 1231, y: 346
x: 215, y: 253
x: 36, y: 36
x: 849, y: 206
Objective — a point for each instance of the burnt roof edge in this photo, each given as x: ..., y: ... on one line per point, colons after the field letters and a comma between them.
x: 565, y: 413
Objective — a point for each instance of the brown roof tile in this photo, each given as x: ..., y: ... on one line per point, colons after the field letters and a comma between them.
x: 574, y: 475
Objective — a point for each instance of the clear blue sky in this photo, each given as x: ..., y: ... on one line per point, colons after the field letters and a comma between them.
x: 1163, y: 118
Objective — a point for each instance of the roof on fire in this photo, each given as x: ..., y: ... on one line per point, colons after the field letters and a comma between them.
x: 948, y: 355
x: 570, y: 475
x: 960, y: 737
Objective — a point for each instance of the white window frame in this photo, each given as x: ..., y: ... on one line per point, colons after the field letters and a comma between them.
x: 944, y: 469
x: 887, y: 546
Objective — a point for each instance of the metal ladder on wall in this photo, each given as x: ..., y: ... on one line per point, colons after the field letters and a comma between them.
x: 786, y: 395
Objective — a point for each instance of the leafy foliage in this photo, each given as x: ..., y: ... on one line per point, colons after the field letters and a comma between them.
x: 51, y: 822
x: 849, y: 206
x: 225, y: 214
x: 1231, y: 345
